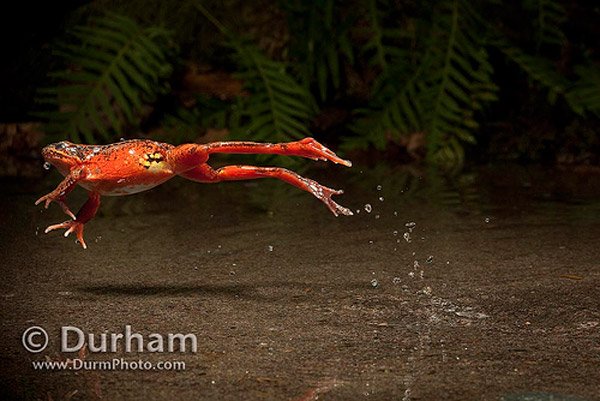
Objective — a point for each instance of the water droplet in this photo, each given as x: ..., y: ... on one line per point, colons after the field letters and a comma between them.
x: 96, y: 149
x: 379, y: 187
x: 395, y: 213
x: 270, y: 248
x: 429, y: 259
x: 381, y: 199
x: 357, y: 211
x: 370, y: 241
x: 416, y: 264
x: 47, y: 166
x: 121, y: 139
x: 377, y: 216
x: 407, y: 237
x: 395, y: 232
x: 397, y: 280
x: 131, y: 151
x: 487, y: 219
x: 410, y: 225
x: 411, y: 274
x: 368, y: 208
x: 374, y: 283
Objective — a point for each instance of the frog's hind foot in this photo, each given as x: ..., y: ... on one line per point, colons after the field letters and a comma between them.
x: 72, y: 226
x: 310, y: 148
x: 324, y: 194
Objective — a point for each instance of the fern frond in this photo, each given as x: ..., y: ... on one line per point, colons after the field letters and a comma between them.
x: 397, y: 112
x: 538, y: 69
x: 549, y: 16
x: 279, y: 108
x: 461, y: 83
x: 116, y: 67
x: 585, y: 93
x: 376, y: 41
x: 320, y: 39
x: 440, y: 95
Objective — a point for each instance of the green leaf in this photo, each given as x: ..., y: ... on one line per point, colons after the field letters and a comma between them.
x: 119, y: 65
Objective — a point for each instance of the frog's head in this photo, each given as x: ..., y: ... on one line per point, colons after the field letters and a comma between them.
x: 63, y: 155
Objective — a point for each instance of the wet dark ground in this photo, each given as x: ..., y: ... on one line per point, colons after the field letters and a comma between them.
x: 494, y: 294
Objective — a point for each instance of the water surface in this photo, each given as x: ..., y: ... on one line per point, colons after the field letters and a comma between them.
x: 478, y: 286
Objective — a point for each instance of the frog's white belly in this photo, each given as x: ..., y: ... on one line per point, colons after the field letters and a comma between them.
x: 120, y: 187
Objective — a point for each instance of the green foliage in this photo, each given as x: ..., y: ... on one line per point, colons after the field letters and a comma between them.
x: 279, y: 108
x: 548, y: 18
x: 538, y: 69
x: 461, y: 80
x: 584, y: 95
x: 440, y: 93
x: 320, y: 41
x: 398, y: 68
x: 185, y: 124
x: 114, y: 68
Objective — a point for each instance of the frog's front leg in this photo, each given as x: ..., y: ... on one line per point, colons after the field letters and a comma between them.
x: 61, y: 191
x: 85, y: 214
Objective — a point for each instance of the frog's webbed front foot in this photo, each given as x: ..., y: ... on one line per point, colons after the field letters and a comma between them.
x: 72, y: 226
x: 58, y: 195
x: 51, y: 197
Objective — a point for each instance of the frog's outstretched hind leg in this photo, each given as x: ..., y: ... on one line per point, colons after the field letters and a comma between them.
x: 204, y: 173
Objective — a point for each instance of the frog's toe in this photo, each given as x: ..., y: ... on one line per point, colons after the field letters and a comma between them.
x: 72, y: 226
x: 46, y: 199
x: 317, y: 151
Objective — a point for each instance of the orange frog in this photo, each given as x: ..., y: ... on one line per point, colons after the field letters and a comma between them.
x: 128, y: 167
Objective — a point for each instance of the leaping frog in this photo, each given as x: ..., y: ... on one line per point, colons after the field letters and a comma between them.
x: 132, y: 166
